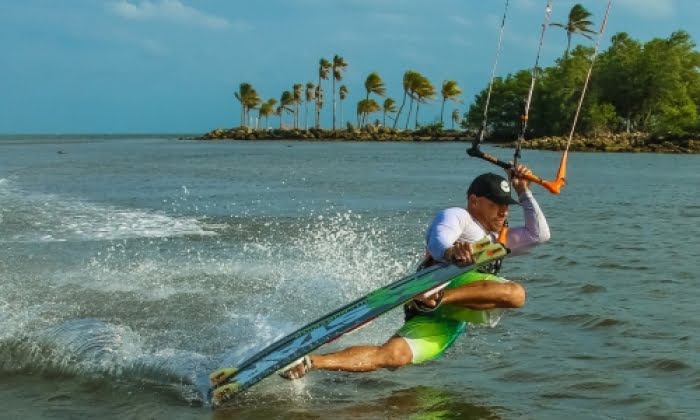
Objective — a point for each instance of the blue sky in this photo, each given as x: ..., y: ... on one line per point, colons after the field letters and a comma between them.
x: 140, y: 66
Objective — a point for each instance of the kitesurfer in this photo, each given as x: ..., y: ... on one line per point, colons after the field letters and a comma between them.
x: 434, y: 322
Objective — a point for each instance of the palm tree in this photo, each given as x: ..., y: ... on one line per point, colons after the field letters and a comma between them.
x: 424, y: 91
x: 416, y: 82
x: 286, y: 99
x: 342, y: 94
x: 297, y: 90
x: 323, y: 67
x: 450, y: 91
x: 364, y: 108
x: 408, y: 78
x: 338, y: 66
x: 278, y: 112
x: 389, y: 106
x: 374, y: 84
x: 266, y: 109
x: 455, y: 117
x: 252, y: 101
x: 319, y: 104
x: 310, y: 96
x: 578, y: 23
x: 248, y: 98
x: 243, y: 90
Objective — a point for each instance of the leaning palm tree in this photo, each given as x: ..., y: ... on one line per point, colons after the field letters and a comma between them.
x: 272, y: 102
x: 297, y: 90
x: 278, y: 113
x: 578, y: 23
x: 455, y: 117
x: 364, y: 108
x: 374, y: 84
x: 252, y: 100
x: 424, y: 92
x: 318, y: 93
x: 450, y: 91
x: 310, y: 96
x: 389, y: 107
x: 416, y: 83
x: 324, y: 67
x: 245, y: 91
x: 342, y: 94
x: 408, y: 80
x: 266, y: 109
x: 286, y: 100
x: 339, y: 65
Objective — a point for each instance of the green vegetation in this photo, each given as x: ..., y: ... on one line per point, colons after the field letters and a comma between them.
x: 418, y: 89
x: 389, y: 107
x: 651, y: 87
x: 339, y: 65
x: 373, y: 84
x: 450, y: 91
x: 640, y: 96
x: 578, y: 23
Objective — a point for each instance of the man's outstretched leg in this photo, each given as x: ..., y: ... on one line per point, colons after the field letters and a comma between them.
x: 393, y: 354
x: 422, y: 337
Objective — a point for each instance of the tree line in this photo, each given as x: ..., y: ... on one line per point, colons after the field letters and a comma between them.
x: 651, y: 87
x: 417, y: 90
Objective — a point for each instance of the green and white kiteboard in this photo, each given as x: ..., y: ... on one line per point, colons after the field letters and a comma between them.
x: 227, y: 382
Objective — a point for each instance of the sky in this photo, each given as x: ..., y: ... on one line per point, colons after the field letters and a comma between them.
x: 172, y: 66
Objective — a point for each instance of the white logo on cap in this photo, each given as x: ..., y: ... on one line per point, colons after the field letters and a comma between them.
x: 505, y: 186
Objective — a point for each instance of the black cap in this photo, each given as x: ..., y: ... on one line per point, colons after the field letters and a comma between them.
x: 492, y: 186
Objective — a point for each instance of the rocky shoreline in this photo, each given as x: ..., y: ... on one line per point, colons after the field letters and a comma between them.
x: 370, y: 133
x: 627, y: 143
x: 633, y: 142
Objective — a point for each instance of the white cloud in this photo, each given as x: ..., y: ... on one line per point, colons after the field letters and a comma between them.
x: 170, y: 10
x: 658, y: 9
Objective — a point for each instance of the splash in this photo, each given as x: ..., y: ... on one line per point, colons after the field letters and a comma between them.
x: 99, y: 351
x: 38, y: 217
x: 311, y: 266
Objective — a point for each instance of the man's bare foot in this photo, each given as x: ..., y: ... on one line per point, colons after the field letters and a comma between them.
x: 297, y: 369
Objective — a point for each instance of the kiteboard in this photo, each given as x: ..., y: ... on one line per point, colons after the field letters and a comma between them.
x: 227, y: 382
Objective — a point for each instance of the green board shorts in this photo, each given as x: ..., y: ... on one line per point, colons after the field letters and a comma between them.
x: 429, y: 335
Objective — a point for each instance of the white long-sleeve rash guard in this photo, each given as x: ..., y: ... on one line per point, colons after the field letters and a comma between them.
x: 456, y: 224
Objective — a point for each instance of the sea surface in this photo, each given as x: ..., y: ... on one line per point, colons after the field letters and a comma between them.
x: 132, y: 266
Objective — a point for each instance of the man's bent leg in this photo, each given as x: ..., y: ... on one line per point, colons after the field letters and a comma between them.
x: 486, y: 295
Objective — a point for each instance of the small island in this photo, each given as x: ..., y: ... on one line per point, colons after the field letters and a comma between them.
x: 642, y: 97
x: 630, y: 143
x: 367, y: 133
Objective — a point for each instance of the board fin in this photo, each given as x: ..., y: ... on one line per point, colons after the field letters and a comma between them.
x: 223, y: 393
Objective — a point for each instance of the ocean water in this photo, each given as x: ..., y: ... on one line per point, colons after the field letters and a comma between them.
x: 132, y: 266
